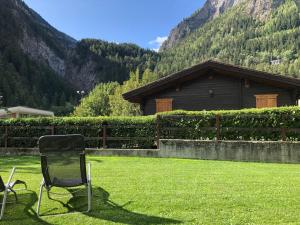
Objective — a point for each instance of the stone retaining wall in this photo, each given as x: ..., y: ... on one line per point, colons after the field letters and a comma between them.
x: 274, y: 151
x: 251, y: 151
x: 89, y: 151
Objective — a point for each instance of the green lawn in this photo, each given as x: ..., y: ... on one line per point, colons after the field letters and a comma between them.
x: 166, y: 191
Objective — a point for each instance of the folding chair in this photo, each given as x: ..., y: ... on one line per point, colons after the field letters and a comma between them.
x: 7, y: 188
x: 63, y: 164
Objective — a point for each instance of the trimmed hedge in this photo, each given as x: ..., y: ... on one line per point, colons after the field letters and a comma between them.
x: 88, y: 126
x: 249, y: 124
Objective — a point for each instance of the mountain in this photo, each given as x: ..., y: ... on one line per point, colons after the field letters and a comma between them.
x: 95, y: 61
x: 31, y: 58
x: 43, y: 67
x: 260, y: 34
x: 212, y: 9
x: 36, y: 38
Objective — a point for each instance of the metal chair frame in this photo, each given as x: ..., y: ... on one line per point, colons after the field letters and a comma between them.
x: 47, y: 184
x: 8, y: 188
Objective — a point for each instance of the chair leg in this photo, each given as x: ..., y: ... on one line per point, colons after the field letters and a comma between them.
x: 22, y: 182
x: 3, y: 203
x: 15, y: 194
x: 40, y: 199
x: 89, y: 189
x: 19, y: 182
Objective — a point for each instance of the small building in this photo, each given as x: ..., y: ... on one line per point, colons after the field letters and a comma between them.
x: 216, y: 86
x: 21, y: 112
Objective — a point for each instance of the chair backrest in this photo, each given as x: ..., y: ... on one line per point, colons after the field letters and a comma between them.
x: 2, y: 185
x: 63, y: 160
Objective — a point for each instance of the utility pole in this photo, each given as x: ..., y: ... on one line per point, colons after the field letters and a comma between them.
x: 2, y: 104
x: 81, y: 93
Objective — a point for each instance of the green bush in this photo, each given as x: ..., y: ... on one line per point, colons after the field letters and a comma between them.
x: 248, y: 124
x: 88, y: 126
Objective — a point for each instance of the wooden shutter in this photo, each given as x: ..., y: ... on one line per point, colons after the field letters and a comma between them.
x: 164, y: 105
x: 266, y: 101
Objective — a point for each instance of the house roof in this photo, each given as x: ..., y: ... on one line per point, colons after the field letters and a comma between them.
x: 25, y: 110
x: 196, y: 71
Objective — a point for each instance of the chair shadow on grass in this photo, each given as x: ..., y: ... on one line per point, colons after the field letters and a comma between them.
x: 105, y: 209
x: 22, y: 211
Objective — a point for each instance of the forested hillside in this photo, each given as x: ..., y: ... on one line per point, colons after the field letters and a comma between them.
x: 43, y: 67
x: 239, y: 38
x: 24, y: 81
x: 99, y: 61
x: 269, y: 43
x: 106, y: 98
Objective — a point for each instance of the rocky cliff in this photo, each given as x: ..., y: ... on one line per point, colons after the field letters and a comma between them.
x: 212, y: 9
x: 38, y: 39
x: 43, y: 67
x: 77, y: 62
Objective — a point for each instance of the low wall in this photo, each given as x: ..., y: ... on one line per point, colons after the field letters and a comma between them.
x: 89, y: 151
x: 251, y: 151
x: 18, y: 151
x: 124, y: 152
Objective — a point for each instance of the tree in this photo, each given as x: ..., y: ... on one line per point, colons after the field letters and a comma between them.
x: 239, y: 38
x: 121, y: 107
x: 97, y: 102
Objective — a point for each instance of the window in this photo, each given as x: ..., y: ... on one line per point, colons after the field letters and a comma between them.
x: 164, y: 105
x: 266, y: 101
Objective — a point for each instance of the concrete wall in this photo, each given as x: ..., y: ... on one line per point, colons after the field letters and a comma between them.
x: 124, y: 152
x: 89, y: 151
x: 18, y: 151
x: 284, y: 152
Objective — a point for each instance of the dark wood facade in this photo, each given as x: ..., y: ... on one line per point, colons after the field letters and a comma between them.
x: 215, y: 86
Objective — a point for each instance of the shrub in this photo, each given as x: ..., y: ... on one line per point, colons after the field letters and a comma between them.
x: 90, y: 127
x: 141, y: 131
x: 247, y: 124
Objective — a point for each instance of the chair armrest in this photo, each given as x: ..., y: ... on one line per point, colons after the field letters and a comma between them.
x: 11, y: 176
x: 89, y: 171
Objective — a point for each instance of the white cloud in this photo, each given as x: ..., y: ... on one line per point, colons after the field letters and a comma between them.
x: 157, y: 42
x: 155, y: 49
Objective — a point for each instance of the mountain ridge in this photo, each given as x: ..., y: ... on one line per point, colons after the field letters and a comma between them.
x: 212, y: 9
x: 33, y: 51
x: 238, y: 38
x: 43, y: 67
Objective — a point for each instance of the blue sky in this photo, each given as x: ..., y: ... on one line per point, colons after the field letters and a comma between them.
x: 143, y: 22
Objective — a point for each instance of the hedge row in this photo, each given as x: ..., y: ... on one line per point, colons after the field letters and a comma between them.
x: 88, y: 126
x: 250, y: 124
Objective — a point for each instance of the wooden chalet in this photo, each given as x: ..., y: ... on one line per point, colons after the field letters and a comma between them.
x: 215, y: 86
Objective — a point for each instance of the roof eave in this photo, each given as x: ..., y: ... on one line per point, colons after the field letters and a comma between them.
x: 136, y: 95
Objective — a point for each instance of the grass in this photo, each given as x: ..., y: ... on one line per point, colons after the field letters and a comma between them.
x: 166, y: 191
